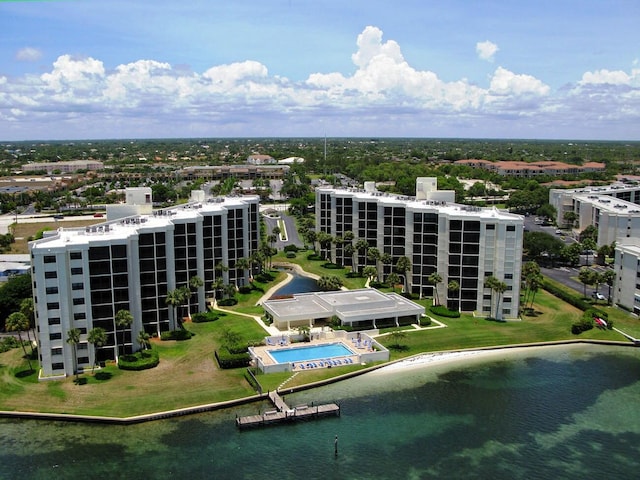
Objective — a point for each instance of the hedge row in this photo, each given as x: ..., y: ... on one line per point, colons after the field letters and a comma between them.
x: 227, y: 359
x: 202, y: 317
x: 576, y: 301
x: 142, y: 360
x: 181, y: 334
x: 444, y: 311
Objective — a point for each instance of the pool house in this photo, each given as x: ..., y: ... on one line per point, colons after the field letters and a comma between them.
x: 362, y: 309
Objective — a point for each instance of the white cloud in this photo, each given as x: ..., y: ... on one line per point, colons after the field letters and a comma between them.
x: 486, y: 50
x: 28, y: 54
x: 384, y: 95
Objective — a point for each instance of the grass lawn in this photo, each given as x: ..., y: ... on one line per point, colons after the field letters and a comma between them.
x: 187, y: 375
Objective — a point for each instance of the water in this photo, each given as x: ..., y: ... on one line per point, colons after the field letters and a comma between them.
x: 298, y: 284
x: 314, y: 352
x: 568, y: 413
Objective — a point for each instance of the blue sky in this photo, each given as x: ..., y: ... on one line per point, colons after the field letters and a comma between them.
x: 278, y: 68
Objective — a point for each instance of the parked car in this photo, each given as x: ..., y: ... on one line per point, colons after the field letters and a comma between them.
x: 598, y: 296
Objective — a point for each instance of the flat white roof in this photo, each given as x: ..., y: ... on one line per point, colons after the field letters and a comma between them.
x: 609, y: 203
x: 348, y: 305
x: 124, y: 227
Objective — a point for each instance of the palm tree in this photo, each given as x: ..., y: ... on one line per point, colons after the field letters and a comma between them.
x: 26, y: 308
x: 195, y: 283
x: 361, y: 247
x: 123, y: 320
x: 370, y: 272
x: 435, y: 278
x: 229, y: 290
x: 497, y: 287
x: 243, y: 264
x: 97, y: 337
x: 585, y: 275
x: 403, y: 265
x: 386, y: 259
x: 393, y: 279
x: 215, y: 286
x: 143, y: 339
x: 18, y: 322
x: 73, y: 339
x: 609, y: 277
x: 349, y: 250
x: 373, y: 255
x: 453, y: 288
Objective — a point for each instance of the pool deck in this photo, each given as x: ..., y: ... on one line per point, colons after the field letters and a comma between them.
x: 329, y: 362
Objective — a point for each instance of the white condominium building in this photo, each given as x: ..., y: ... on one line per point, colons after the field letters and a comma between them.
x: 626, y: 286
x: 461, y: 243
x: 614, y: 210
x: 83, y: 277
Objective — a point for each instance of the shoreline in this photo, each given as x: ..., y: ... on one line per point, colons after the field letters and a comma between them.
x: 422, y: 360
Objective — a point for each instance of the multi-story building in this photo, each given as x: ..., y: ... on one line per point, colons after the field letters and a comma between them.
x: 461, y: 243
x: 83, y: 277
x: 614, y: 210
x: 532, y: 169
x: 626, y: 291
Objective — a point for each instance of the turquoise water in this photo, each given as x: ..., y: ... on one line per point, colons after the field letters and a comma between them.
x: 298, y: 284
x: 312, y: 352
x: 566, y: 413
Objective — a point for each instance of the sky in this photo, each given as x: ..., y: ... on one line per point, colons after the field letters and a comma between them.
x: 108, y: 69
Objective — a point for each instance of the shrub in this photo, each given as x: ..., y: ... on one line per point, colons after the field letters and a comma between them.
x: 202, y: 317
x: 245, y: 289
x: 264, y: 277
x: 227, y: 302
x: 314, y: 256
x: 291, y: 255
x: 227, y: 359
x: 376, y: 284
x: 291, y: 248
x: 331, y: 266
x: 582, y: 326
x: 443, y: 312
x: 425, y: 321
x: 142, y: 360
x: 181, y: 334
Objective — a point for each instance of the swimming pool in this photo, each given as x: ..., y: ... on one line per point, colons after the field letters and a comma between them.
x: 310, y: 352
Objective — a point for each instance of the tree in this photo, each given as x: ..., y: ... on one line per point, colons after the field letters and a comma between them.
x: 588, y: 245
x: 361, y: 247
x: 73, y: 339
x: 591, y: 232
x: 370, y: 272
x: 143, y: 339
x: 393, y: 279
x: 435, y: 278
x: 97, y: 337
x: 18, y: 322
x: 123, y: 319
x: 609, y: 277
x: 453, y: 288
x: 403, y: 265
x: 530, y: 272
x: 498, y: 287
x: 570, y: 218
x: 26, y: 308
x: 329, y: 282
x: 195, y: 283
x: 243, y: 264
x: 586, y: 276
x: 386, y: 259
x: 397, y: 336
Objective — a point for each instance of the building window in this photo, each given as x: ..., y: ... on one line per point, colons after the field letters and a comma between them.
x: 75, y: 255
x: 56, y: 351
x: 55, y: 336
x: 53, y: 305
x: 57, y: 366
x: 54, y: 321
x: 77, y: 286
x: 49, y: 259
x: 50, y: 274
x: 76, y: 271
x: 78, y: 301
x: 52, y: 290
x: 511, y: 228
x: 80, y: 316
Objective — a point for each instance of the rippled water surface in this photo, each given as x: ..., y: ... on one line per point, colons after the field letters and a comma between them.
x: 563, y: 413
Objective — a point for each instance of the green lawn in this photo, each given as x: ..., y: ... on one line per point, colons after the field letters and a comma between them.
x: 188, y: 374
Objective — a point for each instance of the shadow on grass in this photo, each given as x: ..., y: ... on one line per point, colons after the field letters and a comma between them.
x: 80, y: 381
x: 398, y: 348
x: 25, y: 373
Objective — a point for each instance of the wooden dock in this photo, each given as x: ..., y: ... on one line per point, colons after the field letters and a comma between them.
x: 283, y: 413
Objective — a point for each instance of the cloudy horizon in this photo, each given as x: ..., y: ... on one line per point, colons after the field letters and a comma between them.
x: 368, y: 85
